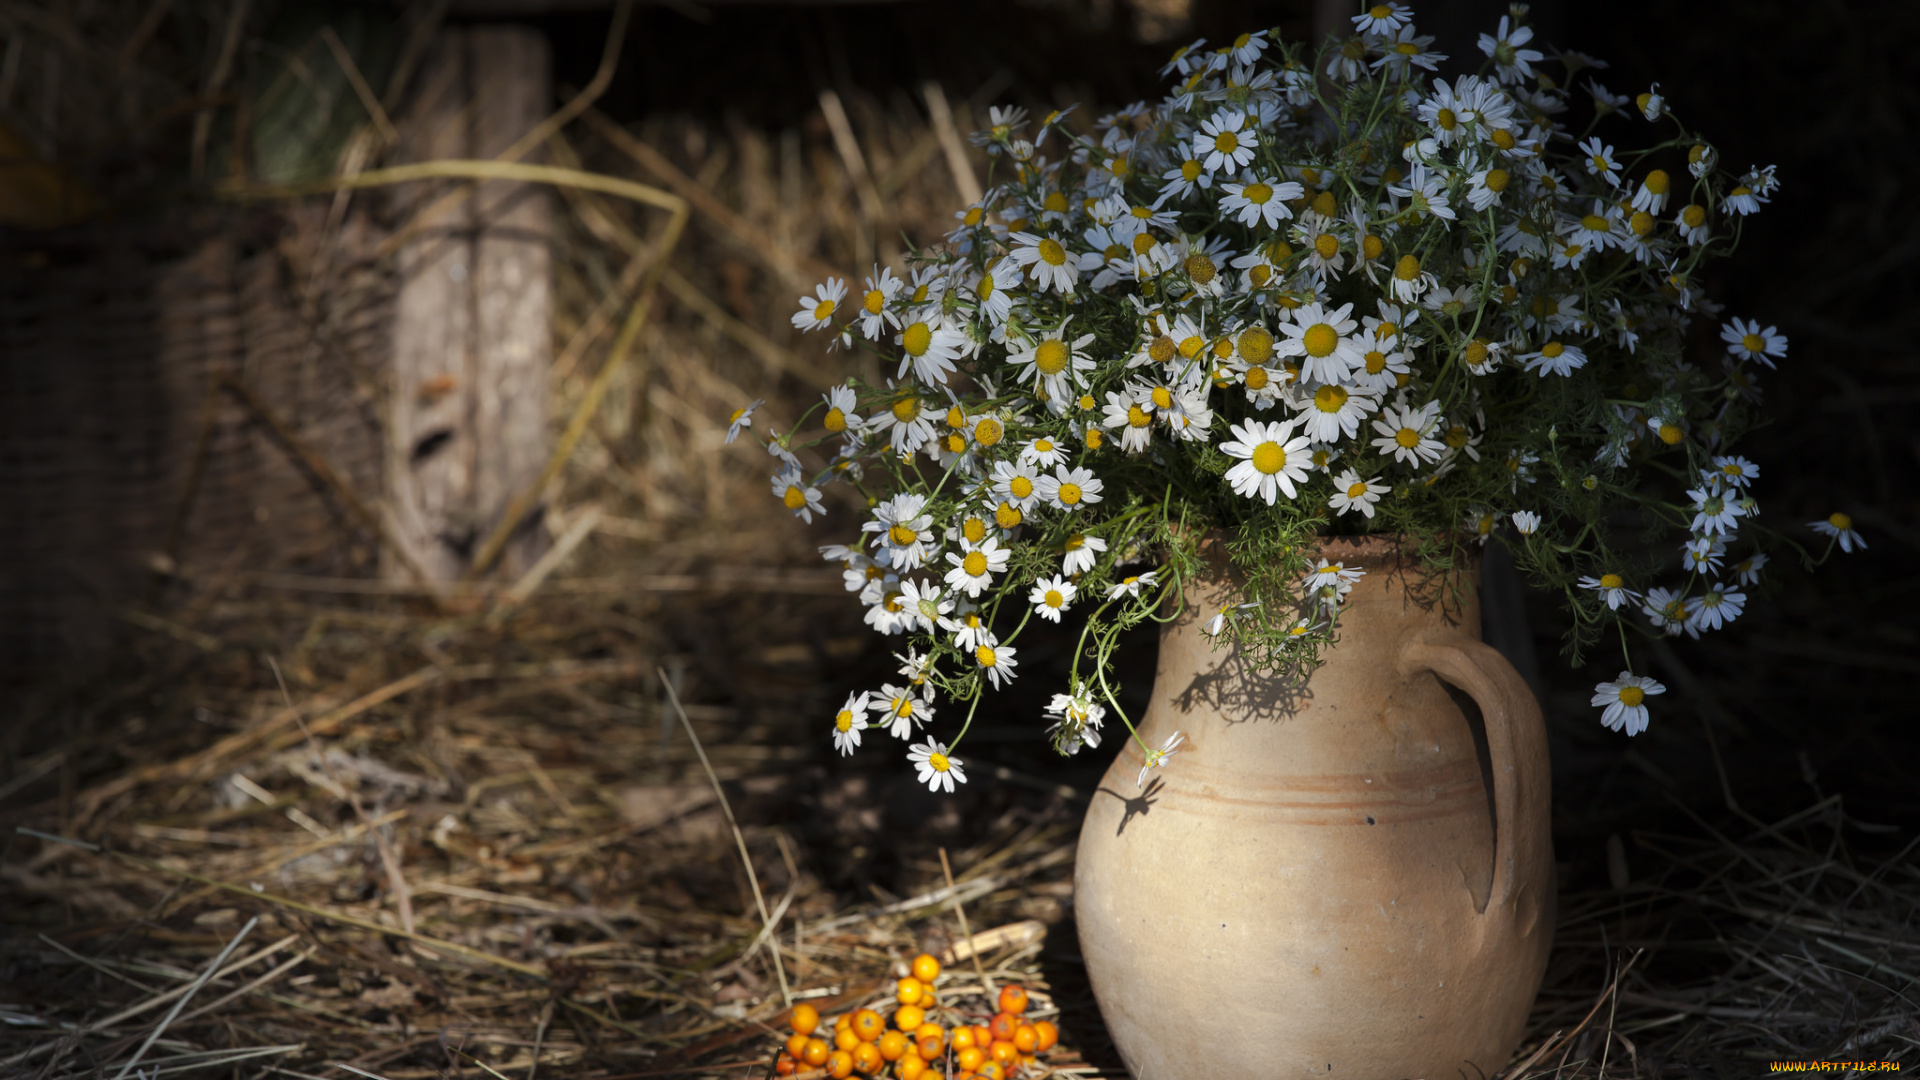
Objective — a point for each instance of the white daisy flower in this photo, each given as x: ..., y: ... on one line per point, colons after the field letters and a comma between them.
x: 999, y: 662
x: 1703, y: 553
x: 1480, y: 523
x: 1076, y: 721
x: 1271, y: 459
x: 1840, y: 527
x: 742, y: 419
x: 1051, y: 596
x: 1692, y: 220
x: 1133, y: 584
x: 1220, y: 618
x: 1382, y: 19
x: 841, y: 403
x: 1261, y: 200
x: 1125, y: 412
x: 1352, y: 493
x: 1407, y: 434
x: 1526, y: 521
x: 1714, y: 514
x: 1330, y: 582
x: 1224, y: 143
x: 1334, y: 410
x: 1555, y: 358
x: 973, y: 571
x: 884, y: 613
x: 1046, y: 262
x: 1321, y: 338
x: 936, y: 769
x: 905, y: 530
x: 1599, y: 161
x: 1612, y: 588
x: 1082, y: 552
x: 907, y: 424
x: 900, y: 710
x: 1016, y: 483
x: 1666, y: 609
x: 1157, y: 758
x: 876, y: 314
x: 1067, y: 489
x: 1425, y: 192
x: 930, y: 348
x: 1747, y: 341
x: 1733, y: 471
x: 1051, y: 363
x: 1512, y: 64
x: 1747, y: 570
x: 793, y: 491
x: 1715, y: 608
x: 850, y: 722
x: 1623, y: 700
x: 1485, y: 187
x: 1652, y: 193
x: 1405, y: 50
x: 816, y: 311
x: 924, y: 602
x: 1651, y: 103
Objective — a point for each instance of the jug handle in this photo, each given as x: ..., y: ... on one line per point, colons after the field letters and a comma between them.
x: 1517, y: 745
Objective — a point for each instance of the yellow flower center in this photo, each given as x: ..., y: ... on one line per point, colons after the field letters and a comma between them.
x: 920, y: 294
x: 1593, y: 223
x: 1161, y: 349
x: 1502, y: 139
x: 794, y: 498
x: 1371, y: 247
x: 1074, y: 542
x: 1326, y: 245
x: 1055, y: 201
x: 1552, y: 350
x: 1641, y: 223
x: 901, y: 535
x: 985, y: 655
x: 1406, y: 269
x: 1407, y: 438
x: 1053, y: 598
x: 988, y: 431
x: 1256, y: 344
x: 1631, y: 696
x: 1840, y: 521
x: 1143, y: 244
x: 974, y: 217
x: 1671, y: 434
x: 1476, y: 354
x: 1269, y: 458
x: 1739, y: 190
x: 1446, y: 119
x: 974, y: 564
x: 822, y: 310
x: 1693, y: 216
x: 1114, y: 251
x: 1329, y: 399
x: 1162, y: 397
x: 1323, y: 204
x: 1070, y: 494
x: 1376, y: 362
x: 1320, y: 340
x: 1226, y: 142
x: 836, y: 420
x: 1457, y: 436
x: 1052, y: 253
x: 916, y: 339
x: 1611, y: 581
x: 1007, y: 516
x: 1753, y: 343
x: 1020, y: 486
x: 1256, y: 378
x: 844, y: 721
x: 1257, y: 194
x: 1191, y: 346
x: 1380, y: 11
x: 906, y: 409
x: 1495, y: 180
x: 737, y: 414
x: 1137, y: 417
x: 1200, y: 269
x: 1190, y: 171
x: 1086, y: 401
x: 1657, y: 182
x: 1406, y: 48
x: 1051, y: 357
x: 975, y: 531
x: 985, y: 288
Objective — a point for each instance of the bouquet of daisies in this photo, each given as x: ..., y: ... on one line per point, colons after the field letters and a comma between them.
x: 1304, y: 294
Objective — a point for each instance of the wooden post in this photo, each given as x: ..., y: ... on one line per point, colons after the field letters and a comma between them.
x: 471, y: 345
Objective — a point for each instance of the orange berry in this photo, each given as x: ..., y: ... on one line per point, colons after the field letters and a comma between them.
x: 970, y: 1058
x: 840, y: 1065
x: 805, y: 1018
x: 992, y: 1070
x: 963, y: 1038
x: 908, y: 991
x: 982, y: 1035
x: 784, y: 1066
x: 846, y: 1040
x: 926, y: 968
x: 866, y: 1058
x: 929, y: 1040
x: 797, y: 1044
x: 893, y: 1044
x: 908, y: 1017
x: 843, y: 1021
x: 1013, y: 999
x: 815, y: 1053
x: 1003, y: 1051
x: 1026, y: 1038
x: 1000, y: 1028
x: 868, y: 1025
x: 1048, y: 1035
x: 910, y: 1068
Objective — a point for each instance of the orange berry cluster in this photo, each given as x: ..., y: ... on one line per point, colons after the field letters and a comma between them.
x: 915, y: 1047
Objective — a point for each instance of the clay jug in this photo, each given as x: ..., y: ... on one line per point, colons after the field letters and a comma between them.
x: 1331, y: 879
